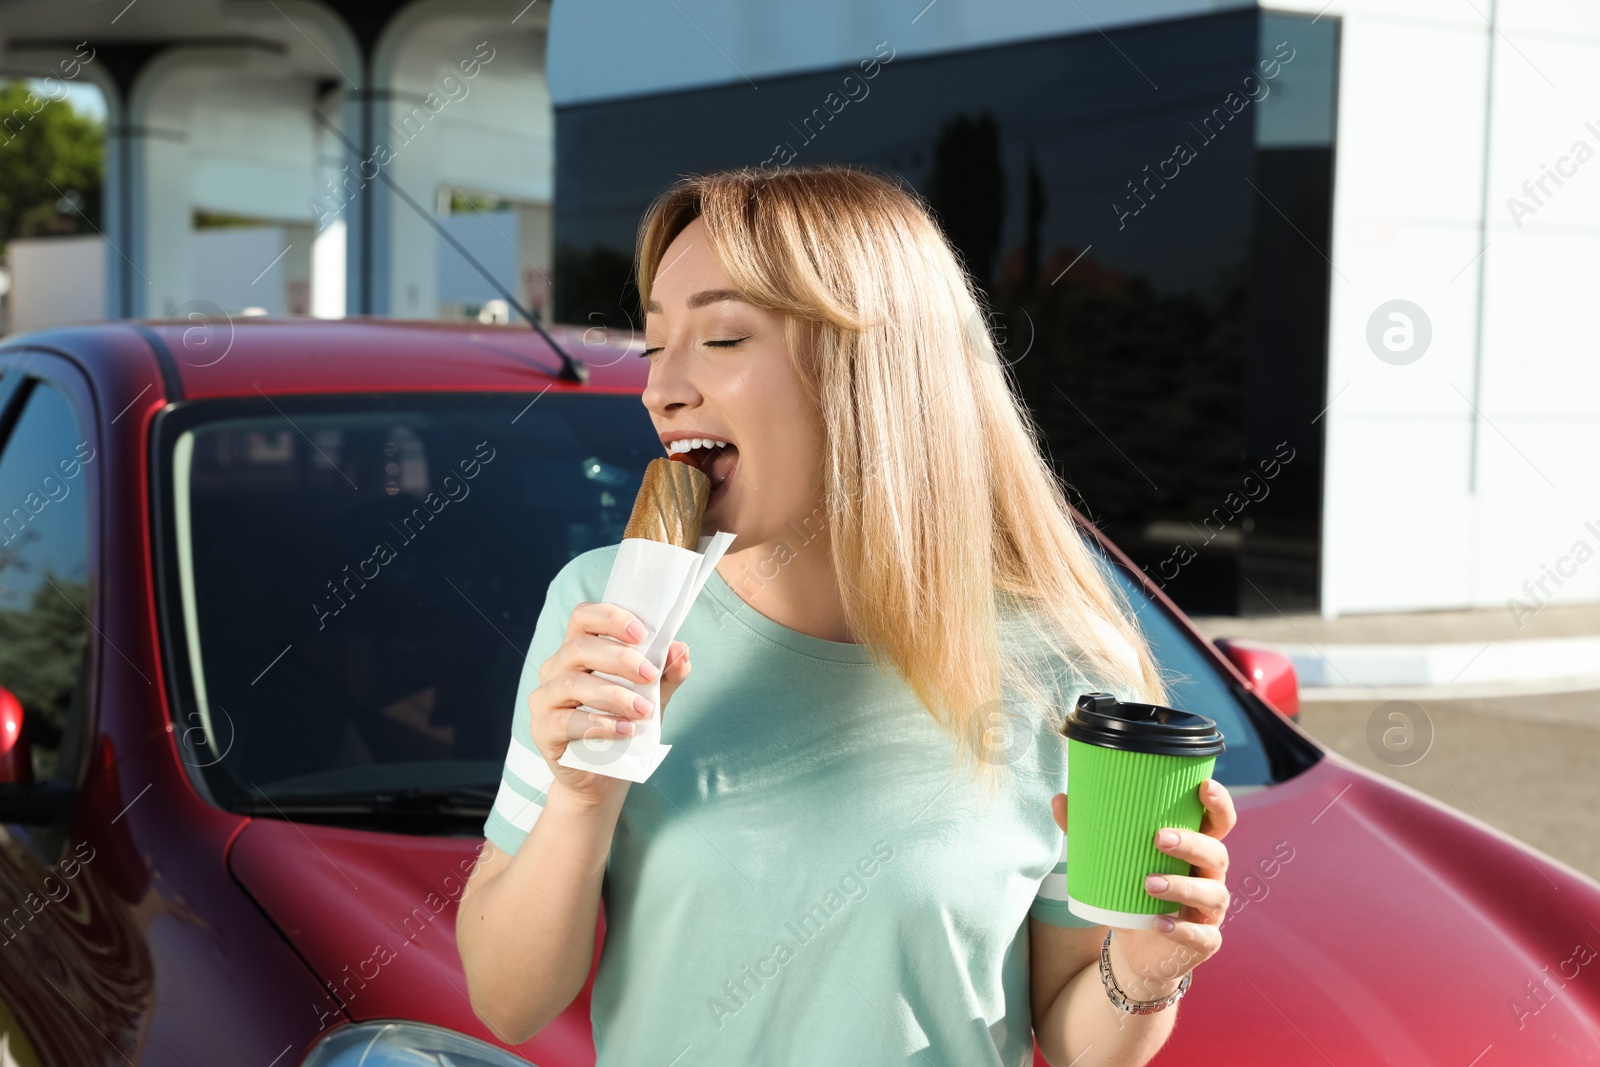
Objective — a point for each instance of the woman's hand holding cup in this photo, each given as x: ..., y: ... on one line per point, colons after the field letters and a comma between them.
x: 1149, y: 964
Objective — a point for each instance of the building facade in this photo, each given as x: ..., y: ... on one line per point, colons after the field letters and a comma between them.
x: 1298, y: 295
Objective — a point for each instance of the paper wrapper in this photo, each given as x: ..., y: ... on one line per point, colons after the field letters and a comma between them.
x: 658, y: 582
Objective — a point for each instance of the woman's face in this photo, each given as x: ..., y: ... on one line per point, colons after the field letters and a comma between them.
x: 720, y: 369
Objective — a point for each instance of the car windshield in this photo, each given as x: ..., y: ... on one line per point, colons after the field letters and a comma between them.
x: 351, y: 585
x: 355, y: 580
x: 1194, y: 683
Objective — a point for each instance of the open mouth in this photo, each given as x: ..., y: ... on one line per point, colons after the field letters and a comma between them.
x: 717, y: 460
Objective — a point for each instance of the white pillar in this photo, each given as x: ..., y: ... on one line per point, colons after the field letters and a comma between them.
x: 461, y: 104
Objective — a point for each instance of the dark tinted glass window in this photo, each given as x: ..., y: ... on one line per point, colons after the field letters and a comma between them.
x: 1147, y: 210
x: 358, y: 582
x: 44, y: 578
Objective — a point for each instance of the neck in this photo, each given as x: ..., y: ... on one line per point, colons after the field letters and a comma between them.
x: 790, y: 582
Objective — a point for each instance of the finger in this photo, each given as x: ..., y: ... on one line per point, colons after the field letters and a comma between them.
x: 553, y: 732
x: 1200, y: 940
x: 589, y: 652
x: 578, y: 724
x: 1208, y: 856
x: 677, y: 662
x: 1220, y: 816
x: 676, y: 674
x: 601, y: 618
x: 568, y: 690
x: 1205, y: 899
x: 1058, y: 808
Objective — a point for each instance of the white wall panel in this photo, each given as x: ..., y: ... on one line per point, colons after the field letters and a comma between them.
x: 1403, y: 526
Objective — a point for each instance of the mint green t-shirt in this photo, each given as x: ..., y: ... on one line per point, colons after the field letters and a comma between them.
x: 806, y: 879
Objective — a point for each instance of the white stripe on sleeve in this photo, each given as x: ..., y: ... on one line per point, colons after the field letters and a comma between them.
x: 526, y: 763
x: 515, y: 808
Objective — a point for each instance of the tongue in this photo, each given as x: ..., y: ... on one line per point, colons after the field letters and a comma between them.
x: 722, y: 464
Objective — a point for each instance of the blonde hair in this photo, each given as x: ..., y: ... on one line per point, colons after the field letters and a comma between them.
x: 959, y: 527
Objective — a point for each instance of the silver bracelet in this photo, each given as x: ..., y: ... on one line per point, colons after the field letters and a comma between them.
x: 1120, y: 999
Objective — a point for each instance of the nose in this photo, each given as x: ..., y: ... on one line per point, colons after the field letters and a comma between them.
x: 670, y: 387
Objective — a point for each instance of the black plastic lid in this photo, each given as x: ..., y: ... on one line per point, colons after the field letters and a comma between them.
x: 1100, y: 719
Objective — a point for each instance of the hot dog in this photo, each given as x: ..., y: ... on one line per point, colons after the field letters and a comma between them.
x: 671, y: 504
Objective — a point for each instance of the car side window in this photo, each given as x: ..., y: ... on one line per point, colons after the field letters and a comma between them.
x: 44, y: 576
x: 1195, y: 684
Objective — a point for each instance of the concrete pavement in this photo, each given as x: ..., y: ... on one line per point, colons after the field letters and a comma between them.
x: 1495, y: 713
x: 1486, y: 652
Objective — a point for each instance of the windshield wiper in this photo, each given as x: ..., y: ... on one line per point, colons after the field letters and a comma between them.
x: 423, y: 802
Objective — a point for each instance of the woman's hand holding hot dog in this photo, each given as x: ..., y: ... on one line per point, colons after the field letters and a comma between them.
x: 567, y: 679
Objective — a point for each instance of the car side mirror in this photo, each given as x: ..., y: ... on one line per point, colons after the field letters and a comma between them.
x: 16, y: 755
x: 1268, y: 673
x: 22, y: 800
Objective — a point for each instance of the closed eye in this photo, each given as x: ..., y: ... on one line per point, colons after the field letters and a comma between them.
x: 729, y: 343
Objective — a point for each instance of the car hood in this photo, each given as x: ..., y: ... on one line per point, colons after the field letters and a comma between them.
x: 1369, y: 924
x: 373, y: 915
x: 1372, y: 924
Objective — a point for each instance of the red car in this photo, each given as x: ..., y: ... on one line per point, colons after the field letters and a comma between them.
x: 266, y: 591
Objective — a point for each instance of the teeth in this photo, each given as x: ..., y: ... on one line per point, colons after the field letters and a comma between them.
x: 688, y: 444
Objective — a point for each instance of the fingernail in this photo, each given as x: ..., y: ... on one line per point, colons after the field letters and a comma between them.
x: 624, y: 726
x: 1164, y: 924
x: 1167, y: 838
x: 1155, y: 884
x: 648, y: 672
x: 1213, y: 788
x: 635, y: 630
x: 641, y: 705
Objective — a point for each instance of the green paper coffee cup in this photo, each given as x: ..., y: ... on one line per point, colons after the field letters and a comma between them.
x: 1132, y: 769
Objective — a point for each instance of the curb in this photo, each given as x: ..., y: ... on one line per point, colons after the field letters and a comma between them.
x: 1477, y: 691
x: 1568, y: 663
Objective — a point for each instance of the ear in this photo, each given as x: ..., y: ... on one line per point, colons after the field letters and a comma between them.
x: 1058, y: 807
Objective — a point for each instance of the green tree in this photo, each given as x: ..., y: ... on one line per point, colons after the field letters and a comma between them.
x: 41, y: 659
x: 52, y: 165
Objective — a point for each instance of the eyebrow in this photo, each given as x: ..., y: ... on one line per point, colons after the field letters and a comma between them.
x: 702, y: 298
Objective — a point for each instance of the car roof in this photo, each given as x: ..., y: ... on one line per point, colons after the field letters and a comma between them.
x: 227, y: 357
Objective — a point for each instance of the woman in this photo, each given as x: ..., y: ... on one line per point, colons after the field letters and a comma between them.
x: 844, y: 858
